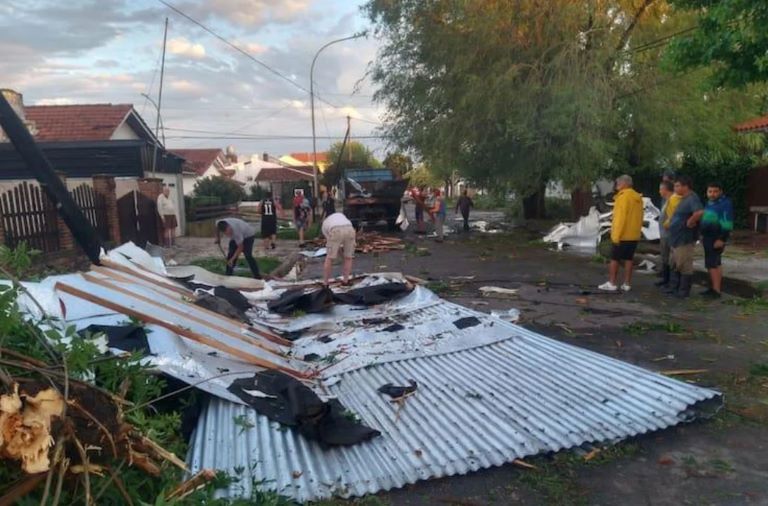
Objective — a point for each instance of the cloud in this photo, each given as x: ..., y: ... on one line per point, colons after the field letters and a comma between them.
x: 183, y: 47
x: 187, y: 87
x: 250, y: 13
x: 55, y: 101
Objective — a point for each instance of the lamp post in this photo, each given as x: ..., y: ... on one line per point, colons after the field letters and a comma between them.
x: 312, y: 106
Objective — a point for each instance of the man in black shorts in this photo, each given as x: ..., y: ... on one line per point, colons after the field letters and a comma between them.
x: 626, y: 229
x: 268, y: 210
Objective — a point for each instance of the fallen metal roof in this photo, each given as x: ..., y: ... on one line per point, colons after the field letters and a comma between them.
x: 480, y: 406
x: 489, y: 391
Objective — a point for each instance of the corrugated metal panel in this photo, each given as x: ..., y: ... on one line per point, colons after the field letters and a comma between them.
x: 475, y: 408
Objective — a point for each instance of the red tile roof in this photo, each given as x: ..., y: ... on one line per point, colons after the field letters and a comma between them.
x: 322, y: 157
x: 753, y: 125
x: 283, y: 174
x: 63, y: 123
x: 197, y: 160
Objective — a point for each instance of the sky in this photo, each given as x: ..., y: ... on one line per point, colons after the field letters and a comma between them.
x: 108, y: 51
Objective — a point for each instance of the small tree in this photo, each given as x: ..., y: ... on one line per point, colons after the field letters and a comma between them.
x: 355, y: 155
x: 398, y: 163
x: 228, y: 190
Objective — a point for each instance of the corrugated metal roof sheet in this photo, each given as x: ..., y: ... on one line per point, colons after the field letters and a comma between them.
x: 475, y: 408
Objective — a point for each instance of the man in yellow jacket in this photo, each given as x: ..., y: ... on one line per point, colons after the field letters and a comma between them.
x: 626, y: 229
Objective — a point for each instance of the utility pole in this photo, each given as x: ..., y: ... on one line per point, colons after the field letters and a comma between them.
x: 349, y: 132
x: 316, y: 188
x: 160, y: 102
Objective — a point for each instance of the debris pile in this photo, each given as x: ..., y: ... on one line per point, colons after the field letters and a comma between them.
x: 587, y: 232
x: 344, y: 390
x: 371, y: 242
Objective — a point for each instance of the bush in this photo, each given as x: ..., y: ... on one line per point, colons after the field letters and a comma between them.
x: 226, y: 190
x: 558, y: 209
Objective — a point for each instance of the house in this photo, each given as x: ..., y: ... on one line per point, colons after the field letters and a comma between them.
x: 84, y: 140
x: 248, y: 171
x: 283, y: 181
x: 757, y: 183
x: 305, y: 160
x: 202, y: 163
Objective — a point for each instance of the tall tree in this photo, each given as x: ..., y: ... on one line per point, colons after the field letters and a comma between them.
x: 524, y: 92
x: 730, y: 35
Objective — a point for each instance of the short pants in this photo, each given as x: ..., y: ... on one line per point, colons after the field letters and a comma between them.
x: 624, y: 251
x: 712, y: 256
x: 682, y: 259
x: 341, y: 237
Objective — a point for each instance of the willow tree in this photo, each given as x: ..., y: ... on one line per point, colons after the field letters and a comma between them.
x: 518, y: 93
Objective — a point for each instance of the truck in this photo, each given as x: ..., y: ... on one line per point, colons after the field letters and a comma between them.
x: 371, y: 196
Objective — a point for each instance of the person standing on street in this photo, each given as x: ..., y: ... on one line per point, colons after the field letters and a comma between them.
x: 626, y: 229
x: 301, y: 216
x: 329, y: 205
x: 716, y: 224
x: 339, y: 234
x: 417, y: 194
x: 683, y: 233
x: 241, y: 238
x: 438, y: 213
x: 669, y: 201
x: 464, y: 204
x: 269, y: 210
x: 167, y: 211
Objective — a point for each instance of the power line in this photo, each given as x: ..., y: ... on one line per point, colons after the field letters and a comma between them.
x: 268, y: 137
x: 240, y: 50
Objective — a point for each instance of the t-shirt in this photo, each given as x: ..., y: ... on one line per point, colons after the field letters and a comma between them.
x: 333, y: 221
x: 240, y: 229
x: 268, y: 208
x: 679, y: 233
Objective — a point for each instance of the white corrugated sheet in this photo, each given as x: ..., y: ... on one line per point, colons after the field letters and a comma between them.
x: 497, y: 393
x: 488, y: 394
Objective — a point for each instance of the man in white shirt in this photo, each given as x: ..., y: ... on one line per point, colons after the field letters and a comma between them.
x: 241, y: 237
x: 339, y: 234
x: 167, y: 212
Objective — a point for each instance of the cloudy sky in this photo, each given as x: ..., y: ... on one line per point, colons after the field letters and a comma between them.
x: 102, y: 51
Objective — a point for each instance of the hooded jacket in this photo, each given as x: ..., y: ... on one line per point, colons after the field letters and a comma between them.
x: 627, y: 222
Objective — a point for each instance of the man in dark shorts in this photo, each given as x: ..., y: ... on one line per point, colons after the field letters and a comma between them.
x: 626, y: 229
x: 683, y: 233
x: 241, y: 237
x: 268, y: 209
x: 715, y: 225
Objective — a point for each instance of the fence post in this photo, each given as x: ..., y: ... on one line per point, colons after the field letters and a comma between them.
x: 104, y: 186
x: 66, y: 240
x: 2, y: 227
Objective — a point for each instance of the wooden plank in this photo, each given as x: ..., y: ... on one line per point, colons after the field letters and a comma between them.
x: 155, y: 287
x: 246, y: 339
x: 137, y: 272
x: 189, y: 334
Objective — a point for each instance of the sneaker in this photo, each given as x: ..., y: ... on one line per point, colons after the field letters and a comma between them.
x: 625, y: 288
x: 711, y: 294
x: 608, y: 287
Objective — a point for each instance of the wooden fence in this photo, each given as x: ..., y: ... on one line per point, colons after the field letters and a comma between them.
x: 94, y: 207
x: 29, y: 216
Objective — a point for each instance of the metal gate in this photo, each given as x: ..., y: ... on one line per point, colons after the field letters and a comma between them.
x: 138, y: 219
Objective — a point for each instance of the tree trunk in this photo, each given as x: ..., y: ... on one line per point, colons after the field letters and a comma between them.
x: 533, y: 204
x: 581, y: 201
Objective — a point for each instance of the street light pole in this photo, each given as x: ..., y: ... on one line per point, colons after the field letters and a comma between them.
x: 312, y: 106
